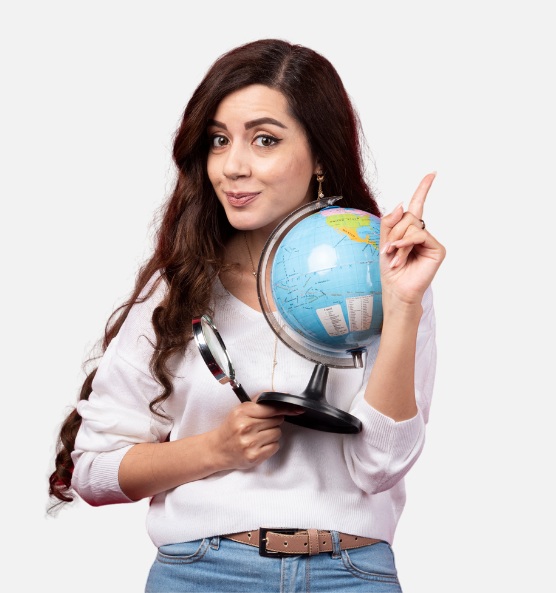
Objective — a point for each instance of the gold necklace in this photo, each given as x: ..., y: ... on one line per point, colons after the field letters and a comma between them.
x: 274, y: 360
x: 250, y: 256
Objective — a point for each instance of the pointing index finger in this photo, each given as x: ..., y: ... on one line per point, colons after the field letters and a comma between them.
x: 417, y: 202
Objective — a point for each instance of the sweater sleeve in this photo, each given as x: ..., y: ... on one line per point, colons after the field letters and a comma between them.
x: 385, y: 450
x: 117, y: 416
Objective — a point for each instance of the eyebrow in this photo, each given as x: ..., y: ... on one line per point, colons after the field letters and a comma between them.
x: 264, y: 120
x: 249, y: 124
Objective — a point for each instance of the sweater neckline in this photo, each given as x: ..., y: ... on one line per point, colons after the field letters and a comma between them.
x: 246, y: 309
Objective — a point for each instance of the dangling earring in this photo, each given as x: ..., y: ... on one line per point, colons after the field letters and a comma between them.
x: 320, y: 179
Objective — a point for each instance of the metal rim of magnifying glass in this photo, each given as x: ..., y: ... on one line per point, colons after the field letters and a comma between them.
x: 206, y: 353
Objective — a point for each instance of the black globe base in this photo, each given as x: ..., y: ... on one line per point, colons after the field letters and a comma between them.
x: 318, y: 413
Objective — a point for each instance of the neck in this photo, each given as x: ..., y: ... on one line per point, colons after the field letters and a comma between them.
x: 244, y: 251
x: 256, y: 240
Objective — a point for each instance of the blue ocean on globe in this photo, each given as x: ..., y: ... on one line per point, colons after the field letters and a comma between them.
x: 325, y: 279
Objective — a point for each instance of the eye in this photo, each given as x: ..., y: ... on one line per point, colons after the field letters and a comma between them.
x: 265, y: 140
x: 217, y: 141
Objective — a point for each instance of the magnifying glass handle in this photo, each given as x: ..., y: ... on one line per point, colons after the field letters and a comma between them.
x: 240, y: 392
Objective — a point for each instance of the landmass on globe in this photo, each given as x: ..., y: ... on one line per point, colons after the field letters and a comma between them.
x: 350, y: 222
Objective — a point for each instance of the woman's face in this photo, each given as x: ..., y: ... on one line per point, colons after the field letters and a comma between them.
x: 259, y: 161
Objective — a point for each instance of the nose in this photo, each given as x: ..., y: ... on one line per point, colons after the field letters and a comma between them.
x: 236, y: 162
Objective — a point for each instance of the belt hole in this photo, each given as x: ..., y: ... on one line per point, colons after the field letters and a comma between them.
x: 249, y: 535
x: 305, y: 545
x: 355, y: 539
x: 286, y: 544
x: 341, y: 540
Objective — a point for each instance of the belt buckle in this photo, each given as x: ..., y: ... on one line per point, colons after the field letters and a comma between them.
x: 262, y: 542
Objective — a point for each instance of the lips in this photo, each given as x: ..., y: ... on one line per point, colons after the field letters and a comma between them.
x: 239, y: 199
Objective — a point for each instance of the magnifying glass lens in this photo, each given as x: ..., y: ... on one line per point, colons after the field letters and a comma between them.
x: 216, y: 348
x: 214, y: 354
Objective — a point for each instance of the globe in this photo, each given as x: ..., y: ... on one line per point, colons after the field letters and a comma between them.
x: 321, y: 275
x: 320, y: 291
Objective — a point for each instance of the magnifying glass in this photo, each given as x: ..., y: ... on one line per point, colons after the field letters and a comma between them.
x: 214, y: 354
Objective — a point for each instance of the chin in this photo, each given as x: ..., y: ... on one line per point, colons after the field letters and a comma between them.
x: 251, y: 223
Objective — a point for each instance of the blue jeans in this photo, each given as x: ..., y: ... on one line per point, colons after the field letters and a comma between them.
x: 217, y: 564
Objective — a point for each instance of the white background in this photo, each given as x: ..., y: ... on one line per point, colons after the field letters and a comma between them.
x: 92, y: 94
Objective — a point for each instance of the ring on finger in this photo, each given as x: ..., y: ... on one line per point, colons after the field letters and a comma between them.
x: 422, y: 223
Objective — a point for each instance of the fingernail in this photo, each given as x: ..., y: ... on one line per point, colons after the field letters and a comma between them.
x: 385, y: 248
x: 398, y: 206
x: 394, y: 262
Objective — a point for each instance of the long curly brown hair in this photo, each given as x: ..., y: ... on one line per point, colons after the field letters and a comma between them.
x: 193, y: 227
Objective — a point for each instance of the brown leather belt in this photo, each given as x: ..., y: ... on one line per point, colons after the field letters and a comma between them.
x: 276, y: 543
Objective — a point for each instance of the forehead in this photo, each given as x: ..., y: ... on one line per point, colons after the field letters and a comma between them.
x: 255, y: 99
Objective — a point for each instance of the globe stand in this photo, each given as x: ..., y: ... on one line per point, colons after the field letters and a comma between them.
x: 318, y: 413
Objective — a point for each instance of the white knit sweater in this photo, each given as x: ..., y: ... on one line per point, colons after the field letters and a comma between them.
x: 349, y: 483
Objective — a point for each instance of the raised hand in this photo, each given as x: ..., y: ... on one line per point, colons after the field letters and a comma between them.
x: 410, y: 255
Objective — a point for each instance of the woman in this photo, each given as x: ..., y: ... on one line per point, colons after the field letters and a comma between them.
x: 269, y: 123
